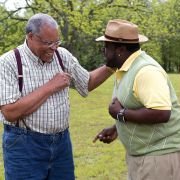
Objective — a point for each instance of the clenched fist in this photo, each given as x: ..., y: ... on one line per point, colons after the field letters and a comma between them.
x: 59, y: 82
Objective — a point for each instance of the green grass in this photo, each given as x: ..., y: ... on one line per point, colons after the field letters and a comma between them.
x: 88, y: 116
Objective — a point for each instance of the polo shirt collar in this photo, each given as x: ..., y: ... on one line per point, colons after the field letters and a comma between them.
x: 126, y: 65
x: 129, y: 61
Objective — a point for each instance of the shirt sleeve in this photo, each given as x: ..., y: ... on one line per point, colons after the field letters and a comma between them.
x: 9, y: 92
x: 151, y: 88
x: 80, y: 76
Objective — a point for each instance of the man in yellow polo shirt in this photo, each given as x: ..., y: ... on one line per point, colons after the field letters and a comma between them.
x: 144, y: 106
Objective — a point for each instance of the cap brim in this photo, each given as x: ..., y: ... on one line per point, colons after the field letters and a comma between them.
x: 142, y: 39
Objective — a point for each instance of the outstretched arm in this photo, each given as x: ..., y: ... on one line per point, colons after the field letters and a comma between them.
x: 98, y: 76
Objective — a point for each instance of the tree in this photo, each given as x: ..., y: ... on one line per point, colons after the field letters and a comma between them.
x: 82, y: 21
x: 164, y: 29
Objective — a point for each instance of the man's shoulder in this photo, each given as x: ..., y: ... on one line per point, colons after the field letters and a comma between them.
x: 66, y: 55
x: 9, y: 55
x: 62, y: 50
x: 6, y: 54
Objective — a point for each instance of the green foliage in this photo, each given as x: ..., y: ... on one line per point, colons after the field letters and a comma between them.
x: 81, y: 22
x: 163, y: 28
x: 12, y: 31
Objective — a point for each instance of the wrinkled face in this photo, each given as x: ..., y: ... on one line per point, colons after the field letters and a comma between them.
x: 44, y: 43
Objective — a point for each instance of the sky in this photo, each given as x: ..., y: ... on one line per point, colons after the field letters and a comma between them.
x: 13, y: 4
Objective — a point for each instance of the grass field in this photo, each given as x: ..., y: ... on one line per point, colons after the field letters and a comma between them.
x: 88, y: 116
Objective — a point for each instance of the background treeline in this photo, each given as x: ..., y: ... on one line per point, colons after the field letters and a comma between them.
x: 81, y: 21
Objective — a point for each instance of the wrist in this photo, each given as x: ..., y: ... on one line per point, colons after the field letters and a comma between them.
x: 111, y: 70
x: 121, y: 115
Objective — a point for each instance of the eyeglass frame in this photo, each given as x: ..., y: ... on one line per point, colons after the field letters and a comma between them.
x: 48, y: 44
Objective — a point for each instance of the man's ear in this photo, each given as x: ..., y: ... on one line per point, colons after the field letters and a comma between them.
x: 29, y: 35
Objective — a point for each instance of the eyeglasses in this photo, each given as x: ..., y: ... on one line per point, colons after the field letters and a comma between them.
x: 48, y: 44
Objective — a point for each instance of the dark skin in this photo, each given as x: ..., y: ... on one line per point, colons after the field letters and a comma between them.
x: 140, y: 116
x: 30, y: 103
x: 115, y: 57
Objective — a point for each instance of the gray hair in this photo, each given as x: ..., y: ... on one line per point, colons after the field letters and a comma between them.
x: 37, y: 21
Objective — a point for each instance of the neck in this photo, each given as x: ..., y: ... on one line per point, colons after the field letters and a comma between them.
x: 122, y: 59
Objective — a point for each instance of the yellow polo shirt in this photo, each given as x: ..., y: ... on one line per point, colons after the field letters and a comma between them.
x: 150, y: 85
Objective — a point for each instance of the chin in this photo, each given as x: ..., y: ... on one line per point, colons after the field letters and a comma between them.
x: 45, y: 59
x: 111, y: 65
x: 48, y: 60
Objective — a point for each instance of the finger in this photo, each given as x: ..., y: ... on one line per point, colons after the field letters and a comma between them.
x: 66, y: 79
x: 68, y: 75
x: 108, y: 137
x: 97, y: 137
x: 107, y: 141
x: 114, y: 100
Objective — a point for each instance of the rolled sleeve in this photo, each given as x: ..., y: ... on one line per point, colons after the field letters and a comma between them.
x: 80, y: 77
x: 9, y: 92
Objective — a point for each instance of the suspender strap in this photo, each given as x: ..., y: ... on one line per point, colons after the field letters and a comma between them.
x: 20, y: 80
x: 19, y: 65
x: 20, y: 75
x: 59, y: 59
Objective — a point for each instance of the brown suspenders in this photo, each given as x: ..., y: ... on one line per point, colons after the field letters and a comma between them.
x: 20, y: 75
x: 19, y: 65
x: 59, y: 59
